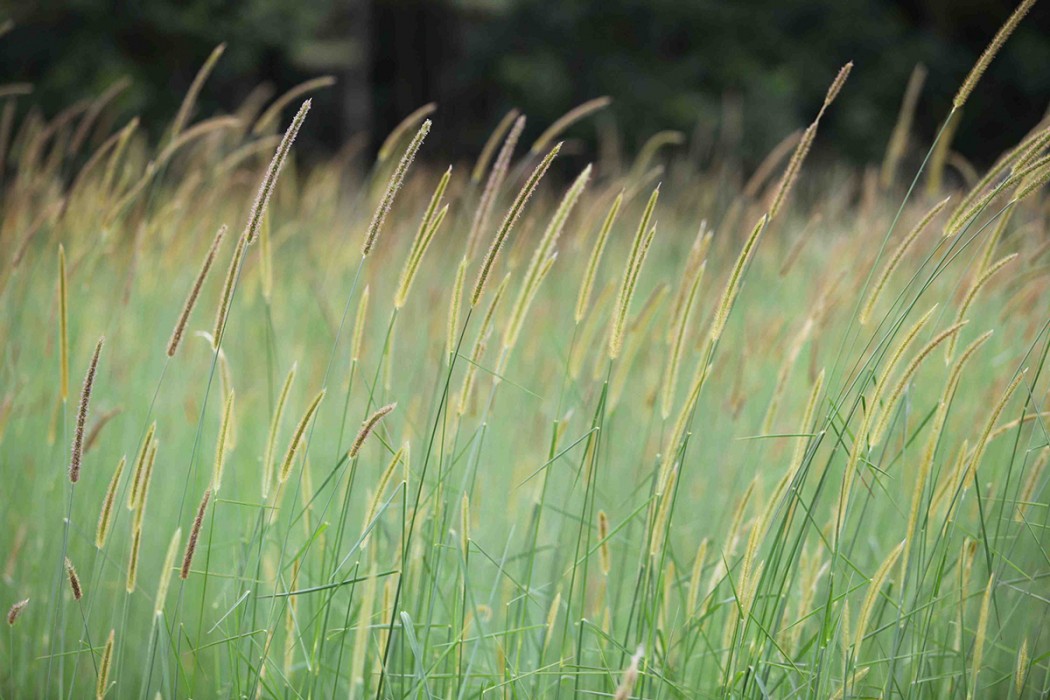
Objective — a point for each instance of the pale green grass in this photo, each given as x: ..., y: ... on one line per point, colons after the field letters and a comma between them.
x: 481, y: 574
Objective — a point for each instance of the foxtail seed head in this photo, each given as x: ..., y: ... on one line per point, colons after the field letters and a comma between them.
x: 15, y: 610
x: 82, y: 414
x: 106, y: 516
x: 103, y: 668
x: 221, y: 446
x: 232, y: 273
x: 133, y: 560
x: 568, y: 119
x: 275, y: 425
x: 432, y: 219
x: 190, y: 99
x: 989, y: 53
x: 367, y: 427
x: 165, y: 572
x: 396, y: 180
x: 403, y: 127
x: 895, y: 259
x: 718, y: 323
x: 485, y: 156
x: 191, y: 545
x: 262, y: 198
x: 297, y: 438
x: 74, y: 580
x: 140, y: 466
x: 454, y: 305
x: 195, y: 290
x: 508, y: 223
x: 147, y: 477
x: 583, y: 300
x: 493, y: 185
x: 873, y: 592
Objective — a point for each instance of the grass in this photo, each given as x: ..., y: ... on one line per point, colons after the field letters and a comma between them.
x: 771, y: 461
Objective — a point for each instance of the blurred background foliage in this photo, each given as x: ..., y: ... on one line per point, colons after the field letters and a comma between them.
x: 735, y: 76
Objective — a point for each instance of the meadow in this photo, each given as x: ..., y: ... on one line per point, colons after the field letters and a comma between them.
x: 540, y: 424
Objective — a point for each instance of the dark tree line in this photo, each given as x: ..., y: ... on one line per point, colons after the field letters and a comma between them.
x: 752, y: 69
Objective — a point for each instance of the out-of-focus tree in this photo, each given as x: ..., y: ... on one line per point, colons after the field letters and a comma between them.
x: 743, y: 73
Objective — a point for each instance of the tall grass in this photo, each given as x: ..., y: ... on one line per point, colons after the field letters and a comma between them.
x: 721, y: 461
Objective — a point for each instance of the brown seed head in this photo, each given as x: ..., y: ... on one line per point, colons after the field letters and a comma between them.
x: 74, y: 580
x: 16, y: 610
x: 82, y: 414
x: 191, y: 545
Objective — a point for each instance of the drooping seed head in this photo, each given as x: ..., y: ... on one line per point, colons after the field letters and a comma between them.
x: 182, y: 117
x: 568, y: 119
x: 409, y: 122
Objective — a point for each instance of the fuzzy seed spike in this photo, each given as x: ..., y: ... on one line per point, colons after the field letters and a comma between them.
x: 297, y: 438
x: 397, y: 178
x: 508, y: 223
x: 82, y: 415
x: 195, y: 531
x: 368, y: 426
x: 195, y: 290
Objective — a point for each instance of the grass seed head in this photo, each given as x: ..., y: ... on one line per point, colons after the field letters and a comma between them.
x: 195, y: 531
x: 82, y: 415
x: 368, y: 426
x: 15, y: 610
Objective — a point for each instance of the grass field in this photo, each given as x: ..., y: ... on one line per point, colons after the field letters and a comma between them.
x: 664, y: 430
